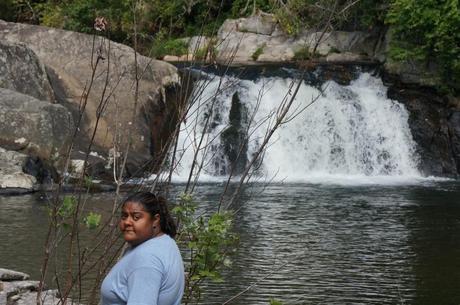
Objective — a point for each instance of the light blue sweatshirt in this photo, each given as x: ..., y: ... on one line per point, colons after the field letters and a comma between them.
x: 150, y: 274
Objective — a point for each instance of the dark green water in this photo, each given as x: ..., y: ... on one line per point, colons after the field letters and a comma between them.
x: 315, y: 244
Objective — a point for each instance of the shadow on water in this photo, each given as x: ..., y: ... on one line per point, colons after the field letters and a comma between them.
x: 435, y: 234
x: 306, y: 244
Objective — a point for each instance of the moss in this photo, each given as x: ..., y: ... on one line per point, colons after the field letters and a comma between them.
x: 259, y: 51
x: 302, y: 54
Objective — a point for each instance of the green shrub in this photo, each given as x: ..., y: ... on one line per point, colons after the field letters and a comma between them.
x: 210, y: 242
x: 161, y: 47
x: 425, y: 31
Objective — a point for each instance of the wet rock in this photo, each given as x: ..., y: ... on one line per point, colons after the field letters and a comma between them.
x: 454, y: 132
x: 11, y: 275
x: 235, y: 139
x: 429, y: 124
x: 13, y: 180
x: 22, y: 71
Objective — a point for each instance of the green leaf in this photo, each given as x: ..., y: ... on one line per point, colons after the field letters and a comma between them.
x: 67, y: 207
x: 275, y: 302
x: 92, y: 220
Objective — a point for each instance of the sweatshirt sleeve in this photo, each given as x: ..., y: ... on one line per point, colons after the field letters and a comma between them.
x: 144, y: 285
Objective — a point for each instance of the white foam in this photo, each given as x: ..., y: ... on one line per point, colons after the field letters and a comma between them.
x: 351, y: 135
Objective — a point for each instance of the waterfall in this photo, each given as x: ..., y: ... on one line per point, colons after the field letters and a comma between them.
x: 348, y: 132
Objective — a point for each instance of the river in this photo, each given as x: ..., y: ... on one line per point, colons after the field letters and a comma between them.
x: 306, y: 243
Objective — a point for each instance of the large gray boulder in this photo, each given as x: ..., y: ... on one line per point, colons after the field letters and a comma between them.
x: 21, y: 71
x: 70, y: 57
x: 32, y: 126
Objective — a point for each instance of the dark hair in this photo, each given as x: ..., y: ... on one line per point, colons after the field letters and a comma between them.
x: 155, y: 205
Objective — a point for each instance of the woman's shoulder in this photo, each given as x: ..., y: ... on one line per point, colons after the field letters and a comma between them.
x: 156, y: 248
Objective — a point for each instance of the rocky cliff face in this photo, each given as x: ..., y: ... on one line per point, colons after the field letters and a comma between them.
x: 94, y: 79
x: 435, y: 126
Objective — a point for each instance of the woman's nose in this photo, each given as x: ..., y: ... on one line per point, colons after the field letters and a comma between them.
x: 127, y: 221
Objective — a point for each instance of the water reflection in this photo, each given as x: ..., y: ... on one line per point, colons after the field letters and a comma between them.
x: 307, y: 244
x: 435, y: 236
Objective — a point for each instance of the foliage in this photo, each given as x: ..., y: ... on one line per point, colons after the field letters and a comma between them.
x: 209, y: 241
x: 259, y: 51
x: 79, y: 15
x: 244, y: 8
x: 302, y: 54
x: 92, y: 220
x: 67, y: 207
x: 8, y: 10
x: 176, y: 47
x: 426, y: 30
x: 275, y: 302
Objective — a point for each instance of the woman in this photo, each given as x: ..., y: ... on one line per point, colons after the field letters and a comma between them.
x: 151, y: 271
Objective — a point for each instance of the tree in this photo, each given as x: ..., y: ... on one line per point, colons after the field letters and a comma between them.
x: 427, y: 31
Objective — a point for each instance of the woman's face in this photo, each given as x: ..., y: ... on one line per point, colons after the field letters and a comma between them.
x: 136, y: 224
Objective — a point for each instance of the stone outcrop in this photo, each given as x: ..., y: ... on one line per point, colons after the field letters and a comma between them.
x: 32, y: 126
x: 238, y: 40
x: 13, y: 179
x: 16, y: 289
x: 69, y: 58
x: 21, y: 71
x: 435, y: 128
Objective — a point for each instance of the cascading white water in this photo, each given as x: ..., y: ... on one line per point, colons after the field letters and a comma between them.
x: 349, y: 132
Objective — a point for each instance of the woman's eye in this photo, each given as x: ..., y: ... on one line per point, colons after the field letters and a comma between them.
x: 135, y: 217
x: 123, y: 217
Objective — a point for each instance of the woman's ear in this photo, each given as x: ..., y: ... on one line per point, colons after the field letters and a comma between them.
x: 156, y: 219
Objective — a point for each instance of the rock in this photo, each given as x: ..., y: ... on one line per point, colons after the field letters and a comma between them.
x: 413, y: 72
x: 16, y: 287
x: 454, y: 132
x: 239, y: 39
x: 13, y: 179
x: 346, y: 57
x: 237, y: 48
x: 234, y: 139
x: 428, y: 121
x: 11, y: 275
x: 97, y: 166
x: 196, y: 43
x: 21, y: 71
x: 263, y: 24
x: 67, y: 57
x: 49, y: 297
x: 32, y: 126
